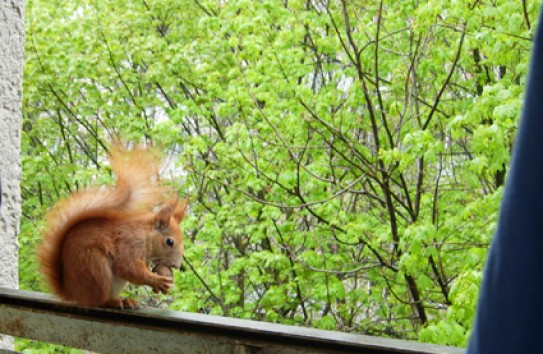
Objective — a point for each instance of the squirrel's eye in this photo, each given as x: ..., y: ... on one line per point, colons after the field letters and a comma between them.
x: 170, y: 242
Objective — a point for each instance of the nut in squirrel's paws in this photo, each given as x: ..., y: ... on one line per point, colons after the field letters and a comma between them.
x: 162, y: 270
x: 164, y: 281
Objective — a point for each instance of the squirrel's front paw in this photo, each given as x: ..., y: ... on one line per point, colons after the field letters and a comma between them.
x: 162, y: 284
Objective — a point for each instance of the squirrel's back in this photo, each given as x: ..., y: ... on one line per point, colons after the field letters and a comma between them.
x: 137, y: 189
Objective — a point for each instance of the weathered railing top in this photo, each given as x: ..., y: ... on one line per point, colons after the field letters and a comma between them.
x: 40, y: 317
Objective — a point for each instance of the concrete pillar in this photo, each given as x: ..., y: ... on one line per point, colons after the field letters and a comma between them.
x: 11, y: 74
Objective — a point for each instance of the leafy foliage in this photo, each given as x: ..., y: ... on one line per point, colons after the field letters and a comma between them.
x: 345, y: 160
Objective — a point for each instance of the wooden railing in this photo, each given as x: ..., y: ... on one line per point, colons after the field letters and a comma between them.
x: 38, y: 316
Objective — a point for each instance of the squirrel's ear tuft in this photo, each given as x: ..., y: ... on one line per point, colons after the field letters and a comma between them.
x: 180, y: 210
x: 163, y: 218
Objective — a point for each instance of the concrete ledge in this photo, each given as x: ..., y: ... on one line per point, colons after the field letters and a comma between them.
x: 40, y: 317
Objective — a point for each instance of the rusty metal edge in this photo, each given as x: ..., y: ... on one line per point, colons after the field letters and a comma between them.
x: 235, y: 329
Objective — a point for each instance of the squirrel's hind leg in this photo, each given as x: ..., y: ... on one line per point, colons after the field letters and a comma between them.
x: 90, y: 282
x: 122, y: 303
x: 115, y: 301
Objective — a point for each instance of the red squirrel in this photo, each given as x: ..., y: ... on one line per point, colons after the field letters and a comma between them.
x: 97, y: 240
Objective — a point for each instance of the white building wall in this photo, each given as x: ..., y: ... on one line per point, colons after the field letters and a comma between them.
x: 11, y: 72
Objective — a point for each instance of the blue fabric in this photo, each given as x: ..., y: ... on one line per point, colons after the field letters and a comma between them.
x: 510, y: 311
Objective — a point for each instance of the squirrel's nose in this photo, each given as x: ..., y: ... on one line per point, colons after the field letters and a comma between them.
x: 177, y: 263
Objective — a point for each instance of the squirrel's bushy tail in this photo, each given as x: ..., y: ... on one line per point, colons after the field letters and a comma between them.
x: 137, y: 187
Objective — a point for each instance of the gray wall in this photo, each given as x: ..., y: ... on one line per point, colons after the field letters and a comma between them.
x: 11, y: 71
